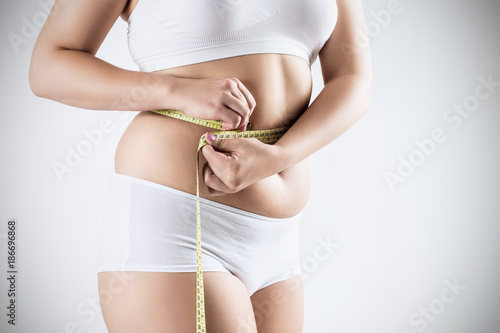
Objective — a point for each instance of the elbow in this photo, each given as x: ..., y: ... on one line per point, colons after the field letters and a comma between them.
x: 34, y: 85
x: 39, y: 74
x: 363, y: 91
x: 35, y: 80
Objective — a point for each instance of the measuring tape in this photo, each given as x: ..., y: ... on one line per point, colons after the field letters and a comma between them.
x: 266, y: 136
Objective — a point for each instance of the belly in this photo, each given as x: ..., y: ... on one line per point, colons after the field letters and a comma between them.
x: 163, y: 149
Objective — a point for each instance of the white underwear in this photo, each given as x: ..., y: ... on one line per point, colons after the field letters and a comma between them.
x: 150, y: 227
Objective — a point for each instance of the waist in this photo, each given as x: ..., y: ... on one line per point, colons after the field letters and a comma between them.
x: 163, y: 150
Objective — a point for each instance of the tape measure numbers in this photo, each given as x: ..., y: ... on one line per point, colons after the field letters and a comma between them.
x: 266, y: 136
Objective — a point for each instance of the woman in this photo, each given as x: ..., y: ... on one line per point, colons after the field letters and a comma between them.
x: 233, y: 61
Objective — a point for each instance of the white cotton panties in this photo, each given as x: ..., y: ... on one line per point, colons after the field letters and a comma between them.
x: 150, y: 227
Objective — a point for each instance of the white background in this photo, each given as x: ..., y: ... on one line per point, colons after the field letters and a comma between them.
x: 396, y: 248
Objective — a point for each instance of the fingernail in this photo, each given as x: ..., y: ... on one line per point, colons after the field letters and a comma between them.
x: 210, y: 137
x: 244, y: 127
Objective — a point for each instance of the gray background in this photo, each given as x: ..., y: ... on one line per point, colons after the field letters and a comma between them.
x: 395, y: 248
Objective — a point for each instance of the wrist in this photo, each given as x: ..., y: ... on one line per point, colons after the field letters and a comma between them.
x: 282, y: 157
x: 163, y: 89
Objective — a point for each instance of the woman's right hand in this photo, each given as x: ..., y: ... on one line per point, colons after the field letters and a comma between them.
x: 224, y: 99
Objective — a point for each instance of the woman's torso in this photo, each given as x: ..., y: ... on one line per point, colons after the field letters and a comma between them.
x: 163, y: 149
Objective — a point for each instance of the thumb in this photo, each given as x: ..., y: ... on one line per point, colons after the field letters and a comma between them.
x: 221, y: 145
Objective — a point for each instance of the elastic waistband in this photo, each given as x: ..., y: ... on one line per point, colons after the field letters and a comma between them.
x: 204, y: 201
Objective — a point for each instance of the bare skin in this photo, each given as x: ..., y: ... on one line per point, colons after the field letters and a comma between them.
x: 269, y: 90
x: 151, y: 147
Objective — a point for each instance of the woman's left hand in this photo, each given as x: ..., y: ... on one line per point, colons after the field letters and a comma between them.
x: 234, y: 164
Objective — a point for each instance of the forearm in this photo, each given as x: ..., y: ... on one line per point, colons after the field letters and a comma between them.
x: 79, y: 79
x: 341, y: 103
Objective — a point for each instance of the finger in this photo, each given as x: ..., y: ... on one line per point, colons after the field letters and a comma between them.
x: 236, y: 92
x: 243, y: 128
x: 226, y: 146
x: 218, y: 160
x: 248, y: 97
x: 215, y: 186
x: 222, y: 164
x: 239, y: 109
x: 229, y: 118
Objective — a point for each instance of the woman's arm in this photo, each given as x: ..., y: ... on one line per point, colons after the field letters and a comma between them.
x: 345, y: 98
x: 64, y: 68
x: 236, y: 164
x: 63, y: 65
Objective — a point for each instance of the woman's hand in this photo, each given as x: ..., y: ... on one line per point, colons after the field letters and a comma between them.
x: 234, y: 164
x: 225, y: 99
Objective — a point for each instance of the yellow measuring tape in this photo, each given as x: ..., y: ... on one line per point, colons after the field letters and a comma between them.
x: 266, y: 136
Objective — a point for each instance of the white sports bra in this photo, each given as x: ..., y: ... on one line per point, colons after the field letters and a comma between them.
x: 166, y: 33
